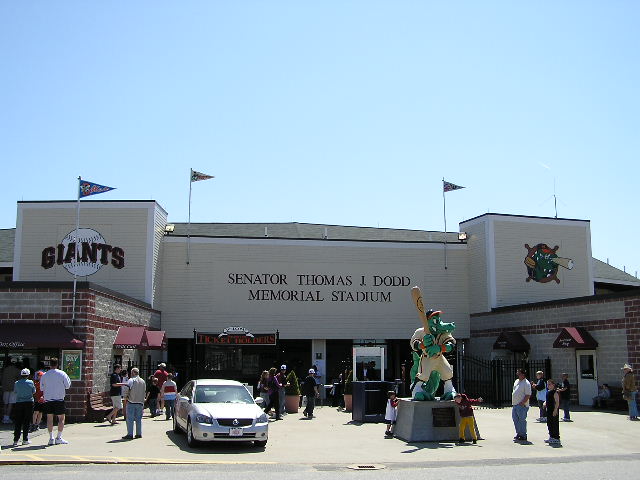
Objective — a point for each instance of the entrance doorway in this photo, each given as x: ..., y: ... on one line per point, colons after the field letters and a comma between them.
x: 586, y: 366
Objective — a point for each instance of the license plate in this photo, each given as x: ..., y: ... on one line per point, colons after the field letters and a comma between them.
x: 235, y: 432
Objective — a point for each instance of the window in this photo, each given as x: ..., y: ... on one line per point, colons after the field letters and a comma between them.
x: 222, y: 394
x: 187, y: 390
x: 586, y: 367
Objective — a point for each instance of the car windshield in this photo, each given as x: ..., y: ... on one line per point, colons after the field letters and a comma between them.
x: 222, y: 394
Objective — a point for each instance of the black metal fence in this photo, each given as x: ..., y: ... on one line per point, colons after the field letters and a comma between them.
x: 493, y: 379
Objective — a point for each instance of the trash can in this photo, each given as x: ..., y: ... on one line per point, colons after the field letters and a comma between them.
x: 336, y: 399
x: 370, y: 401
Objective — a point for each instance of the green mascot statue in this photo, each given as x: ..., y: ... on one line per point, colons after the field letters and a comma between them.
x: 429, y: 343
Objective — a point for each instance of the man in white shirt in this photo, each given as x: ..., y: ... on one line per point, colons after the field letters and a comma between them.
x: 135, y: 393
x: 520, y: 405
x: 54, y: 384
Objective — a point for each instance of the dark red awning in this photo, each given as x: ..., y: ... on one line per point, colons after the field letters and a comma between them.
x: 513, y: 341
x: 130, y: 337
x: 157, y: 339
x: 575, y: 337
x: 37, y: 335
x: 140, y: 338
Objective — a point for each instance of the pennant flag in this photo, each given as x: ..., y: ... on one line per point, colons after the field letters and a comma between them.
x: 447, y: 187
x: 197, y: 176
x: 89, y: 188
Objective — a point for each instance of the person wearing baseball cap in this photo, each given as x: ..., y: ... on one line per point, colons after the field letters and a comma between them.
x: 38, y: 404
x: 161, y: 374
x: 24, y: 388
x: 630, y: 391
x: 310, y: 390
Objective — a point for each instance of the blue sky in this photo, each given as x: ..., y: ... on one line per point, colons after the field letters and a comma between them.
x: 340, y: 112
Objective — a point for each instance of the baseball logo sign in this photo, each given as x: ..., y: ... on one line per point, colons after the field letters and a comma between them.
x: 91, y: 255
x: 542, y: 263
x: 90, y: 265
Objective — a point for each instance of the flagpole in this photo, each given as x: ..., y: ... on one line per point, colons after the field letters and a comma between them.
x: 189, y: 223
x: 75, y: 275
x: 444, y: 203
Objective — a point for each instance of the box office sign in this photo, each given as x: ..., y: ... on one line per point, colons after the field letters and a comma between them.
x: 235, y: 336
x: 72, y: 363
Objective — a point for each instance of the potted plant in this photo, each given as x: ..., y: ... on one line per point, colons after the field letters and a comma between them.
x: 292, y: 393
x: 348, y: 392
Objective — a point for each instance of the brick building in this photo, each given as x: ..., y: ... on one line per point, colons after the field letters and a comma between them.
x: 604, y: 329
x: 521, y: 287
x: 36, y: 315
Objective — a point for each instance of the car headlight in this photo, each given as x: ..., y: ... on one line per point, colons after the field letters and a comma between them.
x: 263, y: 418
x: 203, y: 419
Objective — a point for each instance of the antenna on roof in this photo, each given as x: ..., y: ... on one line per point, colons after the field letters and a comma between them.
x: 555, y: 198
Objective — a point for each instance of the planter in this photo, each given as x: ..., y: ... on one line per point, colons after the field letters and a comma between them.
x: 291, y: 403
x: 348, y: 402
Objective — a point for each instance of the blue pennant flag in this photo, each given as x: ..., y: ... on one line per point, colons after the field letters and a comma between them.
x: 89, y: 188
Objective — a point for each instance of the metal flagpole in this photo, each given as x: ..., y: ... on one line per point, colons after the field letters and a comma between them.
x: 75, y: 240
x: 189, y: 223
x: 444, y: 203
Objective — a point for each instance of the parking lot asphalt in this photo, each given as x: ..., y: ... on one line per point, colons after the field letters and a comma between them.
x: 333, y: 438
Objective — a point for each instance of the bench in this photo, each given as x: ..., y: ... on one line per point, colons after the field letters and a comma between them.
x: 96, y: 408
x: 615, y: 402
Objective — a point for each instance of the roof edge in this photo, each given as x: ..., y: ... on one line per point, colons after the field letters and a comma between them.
x: 492, y: 214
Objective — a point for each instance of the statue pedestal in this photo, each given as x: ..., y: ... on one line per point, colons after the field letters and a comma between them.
x: 420, y: 421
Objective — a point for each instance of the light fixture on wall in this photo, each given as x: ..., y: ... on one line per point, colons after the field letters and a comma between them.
x: 462, y: 236
x: 169, y: 228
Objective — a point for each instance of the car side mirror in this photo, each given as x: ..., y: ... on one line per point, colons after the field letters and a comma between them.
x: 259, y: 401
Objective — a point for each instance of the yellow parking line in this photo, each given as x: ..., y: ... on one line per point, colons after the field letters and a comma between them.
x: 110, y: 459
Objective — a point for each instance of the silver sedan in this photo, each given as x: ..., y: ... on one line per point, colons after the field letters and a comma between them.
x: 214, y: 410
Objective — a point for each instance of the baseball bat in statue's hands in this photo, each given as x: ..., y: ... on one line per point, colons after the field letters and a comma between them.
x: 416, y: 295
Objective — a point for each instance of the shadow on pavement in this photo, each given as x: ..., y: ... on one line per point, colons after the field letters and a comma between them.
x: 122, y: 440
x: 355, y: 423
x: 426, y: 446
x: 28, y: 448
x: 180, y: 441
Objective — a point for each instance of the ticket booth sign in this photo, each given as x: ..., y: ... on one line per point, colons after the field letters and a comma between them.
x: 236, y: 339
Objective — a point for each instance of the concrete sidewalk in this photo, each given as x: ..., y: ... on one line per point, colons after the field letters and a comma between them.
x: 332, y: 438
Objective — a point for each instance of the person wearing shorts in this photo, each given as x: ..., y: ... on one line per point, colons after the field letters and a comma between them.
x: 54, y: 385
x: 161, y: 374
x: 115, y: 392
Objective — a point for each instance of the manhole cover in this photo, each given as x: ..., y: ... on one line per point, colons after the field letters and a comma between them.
x: 367, y: 466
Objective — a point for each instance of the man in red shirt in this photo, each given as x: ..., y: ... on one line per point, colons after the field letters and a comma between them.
x: 161, y: 375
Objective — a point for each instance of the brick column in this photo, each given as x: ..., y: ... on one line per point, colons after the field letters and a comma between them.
x: 632, y: 321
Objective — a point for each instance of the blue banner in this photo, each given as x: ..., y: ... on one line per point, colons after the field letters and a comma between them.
x: 89, y: 188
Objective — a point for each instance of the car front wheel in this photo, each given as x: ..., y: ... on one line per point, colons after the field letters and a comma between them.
x: 191, y: 441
